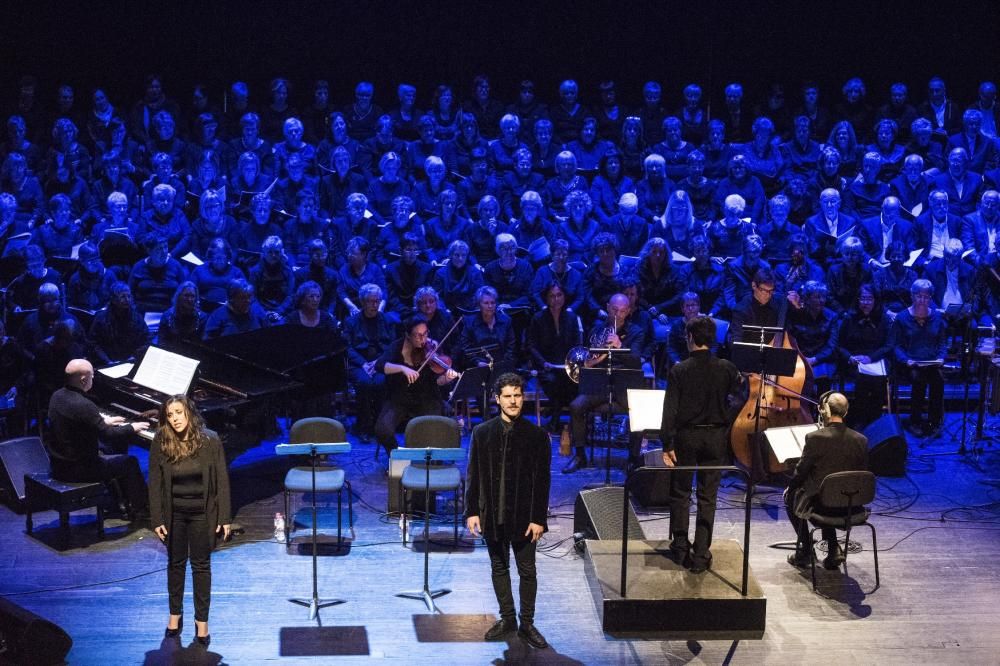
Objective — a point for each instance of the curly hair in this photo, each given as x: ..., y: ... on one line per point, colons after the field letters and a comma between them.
x: 184, y: 445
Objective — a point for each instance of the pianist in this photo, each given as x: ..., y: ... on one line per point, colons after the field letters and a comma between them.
x: 73, y: 438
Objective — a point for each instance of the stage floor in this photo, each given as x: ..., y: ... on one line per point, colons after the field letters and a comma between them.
x: 938, y: 528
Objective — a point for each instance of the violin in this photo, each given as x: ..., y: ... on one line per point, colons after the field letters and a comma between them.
x: 438, y: 363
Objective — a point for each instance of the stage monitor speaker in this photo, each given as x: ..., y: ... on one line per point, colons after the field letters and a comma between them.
x: 598, y: 514
x: 17, y: 458
x: 26, y: 638
x: 886, y: 446
x: 651, y: 489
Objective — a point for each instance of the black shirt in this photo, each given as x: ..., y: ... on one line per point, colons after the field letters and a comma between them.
x: 187, y: 485
x: 75, y: 428
x: 697, y: 394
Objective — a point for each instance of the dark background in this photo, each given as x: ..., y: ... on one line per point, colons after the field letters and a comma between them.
x: 114, y: 44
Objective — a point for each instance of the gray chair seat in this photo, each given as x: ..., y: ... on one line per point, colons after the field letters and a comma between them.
x: 441, y: 478
x: 328, y: 480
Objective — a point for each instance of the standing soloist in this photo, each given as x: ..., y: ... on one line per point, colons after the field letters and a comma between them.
x: 189, y: 505
x: 507, y: 501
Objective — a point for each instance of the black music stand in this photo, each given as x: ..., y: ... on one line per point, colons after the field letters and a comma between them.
x: 314, y: 450
x: 427, y: 455
x: 763, y: 359
x: 613, y: 383
x: 476, y: 382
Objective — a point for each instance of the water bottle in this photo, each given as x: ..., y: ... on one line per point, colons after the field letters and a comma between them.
x: 279, y: 527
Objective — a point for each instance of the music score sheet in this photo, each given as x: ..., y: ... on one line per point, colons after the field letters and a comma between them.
x: 166, y: 372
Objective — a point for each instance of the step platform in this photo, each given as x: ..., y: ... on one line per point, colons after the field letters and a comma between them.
x: 666, y: 602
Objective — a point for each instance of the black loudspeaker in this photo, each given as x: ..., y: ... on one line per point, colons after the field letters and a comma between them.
x: 19, y: 457
x: 26, y: 638
x: 886, y: 446
x: 651, y: 489
x: 598, y: 514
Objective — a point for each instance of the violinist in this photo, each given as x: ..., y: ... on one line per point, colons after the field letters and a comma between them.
x: 413, y: 374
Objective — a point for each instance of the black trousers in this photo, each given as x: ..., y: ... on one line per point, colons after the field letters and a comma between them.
x: 369, y: 392
x: 925, y: 381
x: 122, y: 468
x: 396, y: 412
x: 578, y: 410
x: 697, y: 446
x: 868, y: 401
x: 803, y: 543
x: 524, y: 557
x: 190, y: 537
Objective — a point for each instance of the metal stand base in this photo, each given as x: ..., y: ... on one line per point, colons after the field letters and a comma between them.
x: 315, y: 604
x: 427, y: 595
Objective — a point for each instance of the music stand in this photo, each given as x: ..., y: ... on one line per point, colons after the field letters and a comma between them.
x: 427, y: 454
x: 613, y: 383
x: 313, y: 450
x: 763, y: 359
x: 474, y: 383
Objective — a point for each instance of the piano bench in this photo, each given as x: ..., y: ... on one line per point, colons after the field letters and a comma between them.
x: 43, y: 493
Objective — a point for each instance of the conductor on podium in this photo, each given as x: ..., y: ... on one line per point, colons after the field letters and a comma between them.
x: 698, y: 408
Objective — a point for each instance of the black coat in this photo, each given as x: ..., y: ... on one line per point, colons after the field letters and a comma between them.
x: 835, y: 448
x: 530, y: 472
x: 215, y: 481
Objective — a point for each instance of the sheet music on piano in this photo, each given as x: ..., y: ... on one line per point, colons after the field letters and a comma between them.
x: 166, y: 372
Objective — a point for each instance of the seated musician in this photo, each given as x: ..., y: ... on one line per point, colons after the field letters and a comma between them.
x: 919, y: 340
x: 814, y: 328
x: 184, y: 320
x: 119, y: 333
x: 487, y: 337
x: 73, y: 439
x: 832, y: 448
x: 368, y: 333
x: 240, y: 313
x: 552, y: 332
x: 618, y: 333
x: 740, y: 271
x: 411, y: 384
x: 760, y: 308
x: 863, y: 338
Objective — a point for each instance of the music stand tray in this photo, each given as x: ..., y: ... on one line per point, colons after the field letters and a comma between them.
x: 614, y: 384
x: 313, y: 450
x: 427, y: 455
x: 764, y: 359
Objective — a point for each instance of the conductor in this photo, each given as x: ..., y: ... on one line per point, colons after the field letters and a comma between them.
x: 697, y: 412
x: 832, y: 448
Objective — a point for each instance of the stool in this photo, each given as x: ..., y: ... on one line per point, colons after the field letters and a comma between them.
x: 43, y: 493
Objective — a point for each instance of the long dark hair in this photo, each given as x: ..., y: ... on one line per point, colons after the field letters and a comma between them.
x: 173, y: 446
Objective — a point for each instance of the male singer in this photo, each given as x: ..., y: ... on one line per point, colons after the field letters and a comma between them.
x: 507, y: 500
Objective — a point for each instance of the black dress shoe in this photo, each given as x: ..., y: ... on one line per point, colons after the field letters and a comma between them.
x: 834, y: 559
x: 173, y: 633
x: 680, y: 550
x: 500, y: 629
x: 575, y: 463
x: 532, y: 636
x: 700, y: 565
x: 799, y: 560
x: 203, y: 641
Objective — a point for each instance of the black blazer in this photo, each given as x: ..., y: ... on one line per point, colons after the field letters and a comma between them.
x: 835, y: 448
x: 531, y: 473
x: 215, y: 481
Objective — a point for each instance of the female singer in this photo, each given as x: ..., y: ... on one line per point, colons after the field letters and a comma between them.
x: 189, y: 505
x: 411, y: 383
x: 551, y: 334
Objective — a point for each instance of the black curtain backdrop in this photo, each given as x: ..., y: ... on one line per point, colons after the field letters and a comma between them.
x: 114, y: 44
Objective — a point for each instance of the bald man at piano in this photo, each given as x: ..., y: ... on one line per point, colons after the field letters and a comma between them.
x: 75, y: 434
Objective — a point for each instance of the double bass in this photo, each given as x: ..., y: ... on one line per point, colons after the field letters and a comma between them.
x: 782, y: 403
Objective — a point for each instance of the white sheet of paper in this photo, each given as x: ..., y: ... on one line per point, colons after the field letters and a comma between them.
x: 873, y: 369
x: 679, y: 258
x: 117, y: 371
x: 192, y: 259
x: 913, y: 257
x: 645, y: 409
x: 787, y: 443
x: 166, y: 372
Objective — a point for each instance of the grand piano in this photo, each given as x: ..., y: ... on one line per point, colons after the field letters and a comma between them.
x: 243, y: 381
